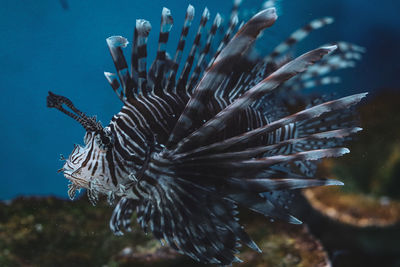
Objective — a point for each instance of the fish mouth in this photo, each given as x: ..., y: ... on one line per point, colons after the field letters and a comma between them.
x: 72, y: 175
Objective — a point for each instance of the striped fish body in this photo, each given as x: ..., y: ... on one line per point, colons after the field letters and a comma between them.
x: 189, y: 147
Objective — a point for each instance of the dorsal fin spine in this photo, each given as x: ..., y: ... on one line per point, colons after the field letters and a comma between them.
x: 115, y: 44
x: 181, y: 84
x: 158, y: 67
x: 179, y: 50
x: 143, y: 28
x: 200, y: 62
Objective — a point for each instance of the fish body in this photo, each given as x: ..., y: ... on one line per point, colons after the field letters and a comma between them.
x: 189, y: 147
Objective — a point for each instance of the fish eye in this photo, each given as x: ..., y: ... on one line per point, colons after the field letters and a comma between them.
x: 106, y: 140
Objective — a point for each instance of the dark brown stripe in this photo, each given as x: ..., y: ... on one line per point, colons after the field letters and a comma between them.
x: 95, y: 168
x: 214, y: 29
x: 291, y: 41
x: 161, y: 55
x: 115, y: 84
x: 120, y: 165
x: 274, y: 54
x: 142, y: 51
x: 118, y: 58
x: 143, y: 74
x: 197, y: 39
x: 103, y: 165
x: 181, y: 45
x: 308, y: 28
x: 110, y: 161
x: 88, y: 156
x: 185, y: 31
x: 163, y: 38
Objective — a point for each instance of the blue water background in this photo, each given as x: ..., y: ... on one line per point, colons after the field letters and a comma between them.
x: 60, y: 46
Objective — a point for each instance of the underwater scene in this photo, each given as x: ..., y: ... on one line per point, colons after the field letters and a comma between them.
x: 200, y: 133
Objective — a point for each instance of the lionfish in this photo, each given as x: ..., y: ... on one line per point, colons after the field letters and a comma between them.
x: 189, y: 147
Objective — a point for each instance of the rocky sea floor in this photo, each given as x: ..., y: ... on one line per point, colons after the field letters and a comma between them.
x: 54, y: 232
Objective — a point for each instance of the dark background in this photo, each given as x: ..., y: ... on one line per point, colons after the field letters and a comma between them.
x: 60, y: 46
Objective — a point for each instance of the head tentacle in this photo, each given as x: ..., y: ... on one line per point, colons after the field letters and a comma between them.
x: 90, y: 124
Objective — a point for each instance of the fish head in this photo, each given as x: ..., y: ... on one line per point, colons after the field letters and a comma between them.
x: 86, y: 165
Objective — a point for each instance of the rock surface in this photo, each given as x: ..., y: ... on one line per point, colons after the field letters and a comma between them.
x: 355, y: 209
x: 54, y: 232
